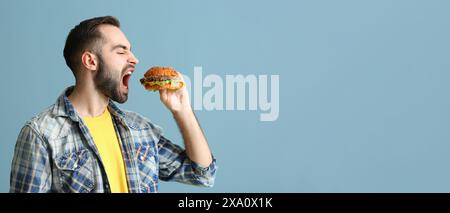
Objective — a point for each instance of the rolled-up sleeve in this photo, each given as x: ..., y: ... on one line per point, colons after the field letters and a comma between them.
x: 174, y: 165
x: 30, y: 169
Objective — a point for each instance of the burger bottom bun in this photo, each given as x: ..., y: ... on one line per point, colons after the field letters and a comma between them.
x: 172, y: 86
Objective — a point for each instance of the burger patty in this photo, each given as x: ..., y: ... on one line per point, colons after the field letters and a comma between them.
x: 159, y: 78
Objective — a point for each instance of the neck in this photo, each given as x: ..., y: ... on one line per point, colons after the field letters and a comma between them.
x: 87, y: 100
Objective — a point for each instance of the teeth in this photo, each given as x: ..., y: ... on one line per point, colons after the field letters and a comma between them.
x: 128, y: 73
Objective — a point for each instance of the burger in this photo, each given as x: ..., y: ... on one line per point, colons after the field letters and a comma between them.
x: 160, y: 78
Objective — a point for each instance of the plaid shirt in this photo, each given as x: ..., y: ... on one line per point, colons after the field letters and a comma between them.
x: 56, y: 153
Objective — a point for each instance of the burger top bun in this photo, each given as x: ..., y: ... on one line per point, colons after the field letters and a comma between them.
x: 161, y: 71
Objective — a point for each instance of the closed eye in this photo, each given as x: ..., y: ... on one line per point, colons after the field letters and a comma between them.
x: 121, y: 49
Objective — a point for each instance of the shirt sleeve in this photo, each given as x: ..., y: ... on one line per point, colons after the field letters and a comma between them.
x: 30, y: 169
x: 174, y: 165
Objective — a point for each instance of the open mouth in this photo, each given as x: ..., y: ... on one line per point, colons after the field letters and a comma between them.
x: 126, y: 79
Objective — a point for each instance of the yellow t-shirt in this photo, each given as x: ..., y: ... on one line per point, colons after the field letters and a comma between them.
x: 105, y: 138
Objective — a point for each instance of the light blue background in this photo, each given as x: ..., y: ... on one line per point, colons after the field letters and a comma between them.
x: 364, y: 94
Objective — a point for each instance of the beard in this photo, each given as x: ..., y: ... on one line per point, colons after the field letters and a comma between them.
x: 109, y: 86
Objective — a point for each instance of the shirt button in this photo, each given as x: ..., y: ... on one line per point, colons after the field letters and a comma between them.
x: 141, y: 157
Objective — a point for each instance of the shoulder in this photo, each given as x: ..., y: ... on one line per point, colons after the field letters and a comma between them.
x: 47, y: 124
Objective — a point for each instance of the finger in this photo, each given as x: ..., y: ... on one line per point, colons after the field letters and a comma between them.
x: 162, y: 94
x: 181, y: 76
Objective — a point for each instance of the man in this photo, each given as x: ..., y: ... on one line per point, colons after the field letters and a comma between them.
x: 85, y: 143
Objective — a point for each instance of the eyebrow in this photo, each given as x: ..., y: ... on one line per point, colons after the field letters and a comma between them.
x: 120, y: 46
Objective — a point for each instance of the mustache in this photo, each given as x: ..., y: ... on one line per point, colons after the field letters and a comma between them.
x: 127, y: 67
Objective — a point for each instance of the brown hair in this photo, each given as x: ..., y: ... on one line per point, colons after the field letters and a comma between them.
x: 85, y: 36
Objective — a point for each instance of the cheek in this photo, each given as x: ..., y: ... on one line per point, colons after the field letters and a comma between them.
x: 118, y: 63
x: 116, y: 70
x: 114, y: 66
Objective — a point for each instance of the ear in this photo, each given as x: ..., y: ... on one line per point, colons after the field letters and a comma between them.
x: 89, y: 60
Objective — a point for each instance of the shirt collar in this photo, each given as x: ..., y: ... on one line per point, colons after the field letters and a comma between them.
x: 64, y: 108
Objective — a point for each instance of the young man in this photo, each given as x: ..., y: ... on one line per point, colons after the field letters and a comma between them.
x: 85, y: 143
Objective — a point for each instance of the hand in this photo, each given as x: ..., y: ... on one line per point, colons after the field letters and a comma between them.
x: 176, y: 100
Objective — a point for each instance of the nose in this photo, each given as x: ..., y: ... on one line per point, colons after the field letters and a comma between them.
x: 133, y: 60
